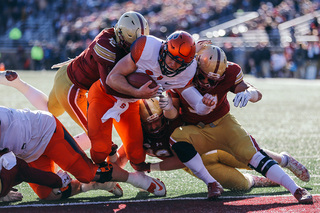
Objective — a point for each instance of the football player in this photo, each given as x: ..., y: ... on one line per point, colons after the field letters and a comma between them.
x: 171, y: 64
x: 221, y: 165
x: 111, y: 105
x: 75, y: 76
x: 41, y: 140
x: 214, y: 128
x: 14, y: 171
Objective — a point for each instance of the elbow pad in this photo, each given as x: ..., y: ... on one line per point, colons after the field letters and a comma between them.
x: 194, y: 99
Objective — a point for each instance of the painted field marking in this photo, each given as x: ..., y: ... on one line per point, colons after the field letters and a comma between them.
x: 137, y: 201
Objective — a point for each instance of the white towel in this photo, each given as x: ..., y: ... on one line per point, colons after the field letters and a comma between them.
x: 118, y: 108
x: 8, y: 161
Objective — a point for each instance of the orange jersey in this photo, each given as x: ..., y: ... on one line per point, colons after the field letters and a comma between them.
x: 233, y: 76
x: 96, y: 61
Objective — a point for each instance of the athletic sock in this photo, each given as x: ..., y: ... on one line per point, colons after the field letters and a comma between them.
x: 276, y: 174
x: 87, y: 186
x: 197, y: 167
x: 137, y: 179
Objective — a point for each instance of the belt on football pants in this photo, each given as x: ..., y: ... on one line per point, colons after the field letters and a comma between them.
x: 201, y: 125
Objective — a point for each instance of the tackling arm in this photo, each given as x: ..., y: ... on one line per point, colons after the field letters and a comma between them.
x: 246, y: 92
x: 169, y: 106
x: 203, y: 105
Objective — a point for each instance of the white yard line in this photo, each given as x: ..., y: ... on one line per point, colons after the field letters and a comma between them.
x: 136, y: 201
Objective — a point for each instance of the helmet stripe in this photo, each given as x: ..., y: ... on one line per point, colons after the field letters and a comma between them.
x: 147, y: 107
x: 141, y: 24
x: 218, y: 61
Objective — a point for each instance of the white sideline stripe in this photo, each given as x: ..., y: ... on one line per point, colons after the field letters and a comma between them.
x: 136, y: 201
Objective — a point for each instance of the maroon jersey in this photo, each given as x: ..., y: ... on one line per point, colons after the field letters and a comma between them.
x: 233, y: 76
x: 96, y: 61
x: 157, y: 144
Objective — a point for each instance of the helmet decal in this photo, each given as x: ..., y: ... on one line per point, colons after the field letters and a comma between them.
x: 130, y: 26
x: 212, y: 64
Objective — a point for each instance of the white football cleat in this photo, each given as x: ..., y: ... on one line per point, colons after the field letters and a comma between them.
x: 296, y: 168
x: 112, y: 187
x: 155, y: 186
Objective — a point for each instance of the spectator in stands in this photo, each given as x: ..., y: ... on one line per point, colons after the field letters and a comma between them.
x: 256, y: 58
x: 265, y: 61
x: 299, y: 58
x: 37, y: 55
x: 315, y: 27
x: 278, y: 63
x: 313, y: 55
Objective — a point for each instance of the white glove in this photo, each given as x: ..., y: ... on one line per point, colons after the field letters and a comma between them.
x: 242, y: 98
x: 165, y: 102
x: 12, y: 196
x: 160, y: 91
x: 65, y: 178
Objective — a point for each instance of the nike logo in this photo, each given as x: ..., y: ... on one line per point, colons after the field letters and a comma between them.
x: 167, y: 83
x: 160, y: 187
x: 153, y: 186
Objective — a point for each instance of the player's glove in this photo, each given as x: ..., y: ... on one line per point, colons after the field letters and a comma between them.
x: 142, y: 167
x: 159, y: 92
x: 165, y: 102
x: 12, y: 196
x: 241, y: 98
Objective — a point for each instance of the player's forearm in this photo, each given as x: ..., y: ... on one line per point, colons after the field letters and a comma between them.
x: 167, y: 164
x: 119, y: 83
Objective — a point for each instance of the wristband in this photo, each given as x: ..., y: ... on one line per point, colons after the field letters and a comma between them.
x: 253, y: 94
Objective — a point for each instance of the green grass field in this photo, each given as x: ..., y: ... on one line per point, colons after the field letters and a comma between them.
x: 286, y: 119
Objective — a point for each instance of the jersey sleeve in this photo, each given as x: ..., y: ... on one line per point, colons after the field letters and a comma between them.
x: 236, y: 73
x: 137, y: 48
x: 104, y: 52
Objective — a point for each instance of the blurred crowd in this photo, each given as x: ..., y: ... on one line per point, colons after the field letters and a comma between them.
x: 77, y: 22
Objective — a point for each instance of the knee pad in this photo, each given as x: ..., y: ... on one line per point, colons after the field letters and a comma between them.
x: 105, y: 173
x: 185, y: 151
x: 261, y: 162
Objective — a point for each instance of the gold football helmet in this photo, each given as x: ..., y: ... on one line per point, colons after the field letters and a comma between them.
x: 151, y: 115
x: 130, y: 26
x: 212, y: 63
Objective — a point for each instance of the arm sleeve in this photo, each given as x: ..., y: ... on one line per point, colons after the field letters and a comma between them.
x: 194, y: 99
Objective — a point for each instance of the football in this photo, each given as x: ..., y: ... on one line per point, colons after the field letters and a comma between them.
x: 137, y: 79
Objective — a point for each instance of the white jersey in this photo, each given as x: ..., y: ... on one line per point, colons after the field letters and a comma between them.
x: 148, y: 63
x: 26, y: 133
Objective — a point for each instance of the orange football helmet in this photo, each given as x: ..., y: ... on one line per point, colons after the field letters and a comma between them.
x: 212, y: 64
x: 179, y: 46
x: 130, y: 26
